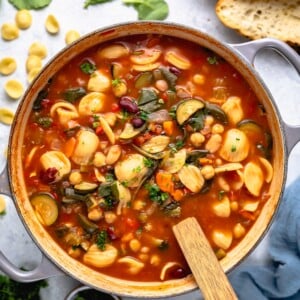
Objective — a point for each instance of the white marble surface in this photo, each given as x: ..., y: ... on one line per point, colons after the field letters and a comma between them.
x: 280, y: 77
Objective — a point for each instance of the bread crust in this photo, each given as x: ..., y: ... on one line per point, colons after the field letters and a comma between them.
x: 257, y: 19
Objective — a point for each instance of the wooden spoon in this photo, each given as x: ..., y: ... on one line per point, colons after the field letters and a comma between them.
x: 203, y: 262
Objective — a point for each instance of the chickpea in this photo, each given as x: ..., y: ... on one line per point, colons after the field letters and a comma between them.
x: 145, y: 249
x: 197, y: 139
x: 199, y: 79
x: 209, y: 120
x: 95, y: 214
x: 110, y: 217
x: 234, y: 205
x: 144, y: 257
x: 74, y: 252
x: 155, y: 260
x: 75, y: 177
x: 238, y: 230
x: 214, y: 143
x: 135, y: 245
x: 217, y: 128
x: 119, y: 88
x: 208, y: 172
x: 161, y: 85
x: 138, y: 204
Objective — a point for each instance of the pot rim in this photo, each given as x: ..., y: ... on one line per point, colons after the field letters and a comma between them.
x: 37, y: 233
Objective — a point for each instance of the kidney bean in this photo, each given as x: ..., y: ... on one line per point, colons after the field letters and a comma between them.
x: 175, y: 71
x: 129, y: 105
x: 178, y: 273
x: 137, y: 122
x: 48, y: 176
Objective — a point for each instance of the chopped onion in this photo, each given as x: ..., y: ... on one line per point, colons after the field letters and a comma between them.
x: 159, y: 116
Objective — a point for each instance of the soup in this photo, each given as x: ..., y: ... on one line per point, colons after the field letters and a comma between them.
x: 135, y: 135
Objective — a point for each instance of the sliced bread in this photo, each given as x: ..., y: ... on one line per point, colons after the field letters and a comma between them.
x: 262, y: 18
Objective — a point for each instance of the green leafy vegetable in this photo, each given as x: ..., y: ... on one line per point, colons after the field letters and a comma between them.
x: 45, y: 122
x: 12, y: 290
x: 212, y: 60
x: 155, y: 194
x: 88, y: 67
x: 73, y: 94
x: 148, y: 162
x: 87, y: 3
x: 150, y: 9
x: 102, y: 239
x: 29, y: 4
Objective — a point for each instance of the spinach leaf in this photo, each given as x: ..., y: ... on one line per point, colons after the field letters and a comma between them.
x: 29, y: 4
x: 87, y: 3
x: 73, y: 94
x: 11, y: 289
x: 150, y: 9
x: 197, y: 120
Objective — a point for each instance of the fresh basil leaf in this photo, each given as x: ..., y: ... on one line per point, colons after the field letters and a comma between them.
x: 87, y: 3
x: 29, y: 4
x: 150, y: 9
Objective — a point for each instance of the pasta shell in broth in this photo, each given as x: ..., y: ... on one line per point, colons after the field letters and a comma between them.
x: 86, y: 145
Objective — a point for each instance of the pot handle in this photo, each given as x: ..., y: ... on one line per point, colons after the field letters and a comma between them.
x: 250, y: 49
x: 44, y: 270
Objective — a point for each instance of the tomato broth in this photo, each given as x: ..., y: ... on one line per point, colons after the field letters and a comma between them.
x: 135, y: 135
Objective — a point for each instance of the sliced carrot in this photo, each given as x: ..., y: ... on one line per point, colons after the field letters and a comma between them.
x: 168, y: 127
x: 165, y: 182
x: 69, y: 146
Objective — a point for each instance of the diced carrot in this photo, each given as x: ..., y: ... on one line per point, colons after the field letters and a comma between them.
x: 178, y: 194
x: 205, y: 161
x: 165, y: 182
x: 69, y: 146
x: 168, y: 127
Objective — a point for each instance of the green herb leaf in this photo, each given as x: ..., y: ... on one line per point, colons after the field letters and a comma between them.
x: 102, y: 239
x: 148, y: 162
x: 45, y: 122
x: 87, y: 3
x: 155, y: 194
x: 29, y: 4
x: 88, y: 67
x: 212, y: 60
x: 150, y: 9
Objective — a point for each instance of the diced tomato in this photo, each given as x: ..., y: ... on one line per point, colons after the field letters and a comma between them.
x: 132, y: 223
x: 115, y: 107
x: 99, y: 130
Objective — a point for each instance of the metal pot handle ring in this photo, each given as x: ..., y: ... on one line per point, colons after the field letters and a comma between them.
x: 45, y: 269
x: 250, y: 49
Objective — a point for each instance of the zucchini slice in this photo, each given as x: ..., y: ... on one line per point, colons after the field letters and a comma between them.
x: 187, y: 108
x: 45, y: 208
x: 129, y: 132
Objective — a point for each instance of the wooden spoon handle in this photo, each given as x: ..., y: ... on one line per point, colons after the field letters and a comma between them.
x: 203, y: 262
